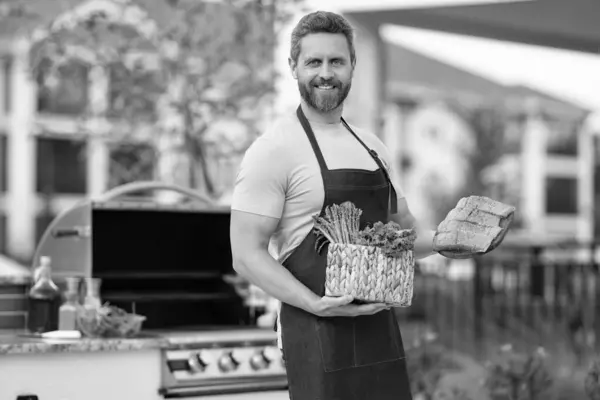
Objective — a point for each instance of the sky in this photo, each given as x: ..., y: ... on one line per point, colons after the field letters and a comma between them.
x: 570, y: 75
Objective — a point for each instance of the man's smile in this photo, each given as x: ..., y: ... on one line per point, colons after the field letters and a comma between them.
x: 325, y: 87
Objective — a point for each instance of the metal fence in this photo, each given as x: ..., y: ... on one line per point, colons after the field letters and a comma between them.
x: 525, y: 296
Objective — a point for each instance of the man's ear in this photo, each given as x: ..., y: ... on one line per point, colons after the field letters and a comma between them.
x: 293, y: 65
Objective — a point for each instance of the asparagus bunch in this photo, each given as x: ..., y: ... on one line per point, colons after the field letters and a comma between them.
x: 340, y: 224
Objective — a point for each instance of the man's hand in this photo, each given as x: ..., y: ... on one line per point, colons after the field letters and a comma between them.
x: 340, y: 307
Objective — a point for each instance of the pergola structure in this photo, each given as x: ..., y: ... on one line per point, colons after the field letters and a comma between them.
x: 570, y: 25
x: 561, y: 24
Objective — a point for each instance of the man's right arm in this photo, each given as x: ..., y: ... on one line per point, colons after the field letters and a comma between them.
x: 257, y: 205
x: 250, y: 234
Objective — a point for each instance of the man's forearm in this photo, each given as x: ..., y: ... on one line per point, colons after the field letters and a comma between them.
x: 424, y: 243
x: 269, y: 275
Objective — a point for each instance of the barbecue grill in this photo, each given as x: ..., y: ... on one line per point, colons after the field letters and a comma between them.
x: 168, y: 261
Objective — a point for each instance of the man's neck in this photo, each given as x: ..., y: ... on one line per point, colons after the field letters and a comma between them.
x: 332, y: 117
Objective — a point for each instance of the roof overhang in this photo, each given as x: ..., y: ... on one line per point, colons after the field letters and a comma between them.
x: 570, y: 25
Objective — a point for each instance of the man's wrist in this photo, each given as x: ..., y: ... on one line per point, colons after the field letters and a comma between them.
x: 424, y: 244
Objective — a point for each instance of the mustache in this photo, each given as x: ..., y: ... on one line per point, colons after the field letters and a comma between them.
x: 329, y: 82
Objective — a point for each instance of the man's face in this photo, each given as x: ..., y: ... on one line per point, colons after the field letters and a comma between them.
x: 324, y: 70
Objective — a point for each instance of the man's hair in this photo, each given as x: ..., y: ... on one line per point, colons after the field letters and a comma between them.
x: 322, y: 22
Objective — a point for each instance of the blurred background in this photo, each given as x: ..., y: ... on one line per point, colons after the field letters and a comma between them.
x: 498, y: 98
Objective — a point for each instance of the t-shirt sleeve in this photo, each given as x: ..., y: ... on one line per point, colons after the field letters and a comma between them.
x: 261, y: 181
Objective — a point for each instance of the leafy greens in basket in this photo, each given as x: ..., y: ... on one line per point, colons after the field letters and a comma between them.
x: 341, y: 224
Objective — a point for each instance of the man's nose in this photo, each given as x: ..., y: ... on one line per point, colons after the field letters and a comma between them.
x: 325, y: 72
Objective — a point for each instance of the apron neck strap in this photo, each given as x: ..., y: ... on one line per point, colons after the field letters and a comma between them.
x: 317, y: 150
x: 312, y: 139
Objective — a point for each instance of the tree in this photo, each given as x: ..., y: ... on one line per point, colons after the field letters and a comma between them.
x: 488, y: 125
x: 188, y: 71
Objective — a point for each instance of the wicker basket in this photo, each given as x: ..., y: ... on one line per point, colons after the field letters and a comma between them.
x: 367, y: 274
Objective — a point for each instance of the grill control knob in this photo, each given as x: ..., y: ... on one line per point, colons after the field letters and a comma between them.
x: 228, y: 363
x: 197, y: 363
x: 260, y: 360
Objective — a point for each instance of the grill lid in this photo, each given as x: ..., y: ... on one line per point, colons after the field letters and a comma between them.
x: 164, y: 261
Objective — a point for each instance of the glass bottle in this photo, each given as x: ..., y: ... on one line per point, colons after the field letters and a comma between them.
x: 43, y: 300
x: 92, y: 296
x: 67, y: 313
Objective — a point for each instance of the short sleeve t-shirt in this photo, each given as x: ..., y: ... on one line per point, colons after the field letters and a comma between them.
x: 279, y: 176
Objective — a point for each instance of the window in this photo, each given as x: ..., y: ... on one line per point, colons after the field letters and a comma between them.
x: 7, y: 84
x: 61, y: 166
x: 131, y: 162
x: 563, y: 138
x: 3, y: 162
x: 3, y: 233
x: 66, y: 93
x: 561, y: 196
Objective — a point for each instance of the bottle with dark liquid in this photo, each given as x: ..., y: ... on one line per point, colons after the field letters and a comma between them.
x: 44, y: 300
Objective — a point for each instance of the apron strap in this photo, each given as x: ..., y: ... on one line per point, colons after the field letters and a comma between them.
x: 313, y: 142
x: 317, y: 150
x: 373, y: 153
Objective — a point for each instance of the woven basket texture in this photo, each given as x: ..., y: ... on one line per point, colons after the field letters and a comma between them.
x: 367, y: 274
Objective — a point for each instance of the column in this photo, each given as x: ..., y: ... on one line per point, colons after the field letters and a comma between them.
x: 586, y: 157
x: 364, y: 105
x: 533, y: 186
x: 2, y: 81
x: 98, y: 160
x: 21, y: 197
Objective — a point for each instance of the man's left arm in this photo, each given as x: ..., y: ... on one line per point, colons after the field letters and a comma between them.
x: 404, y: 217
x: 424, y: 241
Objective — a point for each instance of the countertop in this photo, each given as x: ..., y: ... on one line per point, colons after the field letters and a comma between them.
x: 15, y: 280
x: 18, y: 342
x: 14, y: 343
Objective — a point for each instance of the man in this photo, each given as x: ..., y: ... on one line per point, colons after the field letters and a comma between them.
x: 334, y: 349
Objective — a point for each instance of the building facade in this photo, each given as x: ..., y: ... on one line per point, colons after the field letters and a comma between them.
x: 545, y: 168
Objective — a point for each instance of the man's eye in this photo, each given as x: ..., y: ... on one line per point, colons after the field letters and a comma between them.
x: 337, y: 62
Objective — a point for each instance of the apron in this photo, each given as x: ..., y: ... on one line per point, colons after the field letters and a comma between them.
x: 343, y: 358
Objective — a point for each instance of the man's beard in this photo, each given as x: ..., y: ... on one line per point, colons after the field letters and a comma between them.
x: 321, y: 100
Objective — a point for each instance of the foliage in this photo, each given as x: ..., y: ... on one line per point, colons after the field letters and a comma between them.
x: 592, y: 381
x: 488, y: 126
x: 452, y: 393
x: 178, y: 69
x: 427, y: 362
x: 341, y: 224
x: 390, y: 237
x: 518, y: 375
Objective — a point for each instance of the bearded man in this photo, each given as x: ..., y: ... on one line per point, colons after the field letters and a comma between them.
x: 334, y: 348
